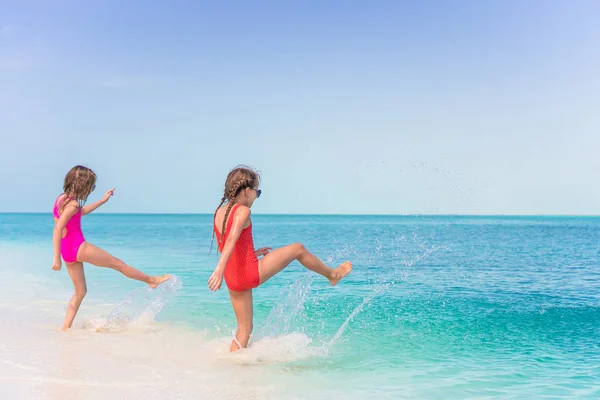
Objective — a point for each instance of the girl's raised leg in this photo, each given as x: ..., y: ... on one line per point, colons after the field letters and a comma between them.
x: 94, y: 255
x: 278, y: 259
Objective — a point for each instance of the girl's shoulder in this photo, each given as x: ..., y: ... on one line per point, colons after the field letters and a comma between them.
x: 66, y: 201
x: 238, y: 208
x: 240, y: 211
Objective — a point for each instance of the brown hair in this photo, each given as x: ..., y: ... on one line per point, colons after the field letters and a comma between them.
x: 238, y: 179
x: 79, y: 183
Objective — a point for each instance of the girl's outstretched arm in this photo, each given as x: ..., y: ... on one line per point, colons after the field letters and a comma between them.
x: 240, y: 220
x: 70, y: 209
x: 88, y: 209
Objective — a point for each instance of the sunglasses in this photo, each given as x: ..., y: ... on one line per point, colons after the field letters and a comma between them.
x: 258, y: 192
x: 93, y: 188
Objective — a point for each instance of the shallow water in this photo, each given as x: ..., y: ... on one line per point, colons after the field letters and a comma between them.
x: 436, y: 307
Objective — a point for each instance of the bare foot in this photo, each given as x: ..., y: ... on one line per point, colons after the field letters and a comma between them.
x: 234, y: 347
x: 340, y: 272
x: 157, y: 280
x: 64, y: 328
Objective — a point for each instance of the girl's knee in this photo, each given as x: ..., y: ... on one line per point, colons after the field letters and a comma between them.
x: 299, y: 248
x: 80, y: 294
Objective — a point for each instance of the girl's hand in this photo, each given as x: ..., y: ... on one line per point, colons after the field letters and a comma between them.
x: 215, y: 280
x: 56, y: 266
x: 108, y: 195
x: 263, y: 251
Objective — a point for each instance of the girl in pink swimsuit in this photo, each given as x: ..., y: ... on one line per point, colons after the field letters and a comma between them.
x: 69, y: 242
x: 239, y: 262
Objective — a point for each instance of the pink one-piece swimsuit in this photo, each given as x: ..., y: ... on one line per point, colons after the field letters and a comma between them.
x: 69, y: 245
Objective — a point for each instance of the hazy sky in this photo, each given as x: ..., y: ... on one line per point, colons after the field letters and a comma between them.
x: 394, y: 107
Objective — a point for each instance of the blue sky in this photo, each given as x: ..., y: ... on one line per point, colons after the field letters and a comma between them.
x: 390, y: 107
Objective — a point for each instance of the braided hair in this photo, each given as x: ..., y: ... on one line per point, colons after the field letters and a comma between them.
x: 237, y: 180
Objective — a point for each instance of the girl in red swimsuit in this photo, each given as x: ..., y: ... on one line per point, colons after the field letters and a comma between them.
x: 69, y: 242
x: 239, y: 262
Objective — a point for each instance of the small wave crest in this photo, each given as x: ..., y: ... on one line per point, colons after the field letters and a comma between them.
x: 282, y: 349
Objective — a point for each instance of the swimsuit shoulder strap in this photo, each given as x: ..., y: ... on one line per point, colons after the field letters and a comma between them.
x: 60, y: 201
x: 230, y: 217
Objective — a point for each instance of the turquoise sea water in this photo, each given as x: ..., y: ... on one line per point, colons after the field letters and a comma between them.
x: 435, y: 307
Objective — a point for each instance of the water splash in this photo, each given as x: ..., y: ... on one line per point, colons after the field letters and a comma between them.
x: 282, y: 336
x: 376, y: 292
x: 285, y: 348
x: 288, y: 308
x: 139, y: 307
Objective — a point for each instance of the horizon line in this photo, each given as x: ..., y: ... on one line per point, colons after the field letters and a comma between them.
x: 322, y: 214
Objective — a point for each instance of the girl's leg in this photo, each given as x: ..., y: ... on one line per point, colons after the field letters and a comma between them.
x: 280, y: 258
x: 94, y: 255
x: 242, y: 307
x: 78, y: 277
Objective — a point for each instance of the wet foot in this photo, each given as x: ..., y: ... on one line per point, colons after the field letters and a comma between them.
x: 157, y: 280
x: 234, y: 347
x: 340, y: 272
